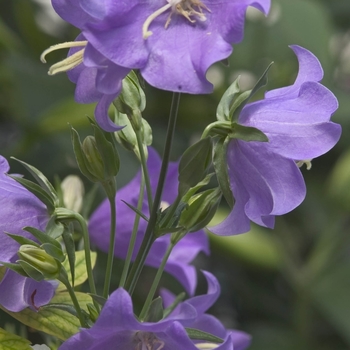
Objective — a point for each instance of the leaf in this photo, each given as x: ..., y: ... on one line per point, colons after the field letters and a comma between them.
x: 58, y: 323
x: 22, y: 240
x: 41, y: 180
x: 220, y: 166
x: 37, y: 191
x: 42, y: 237
x: 9, y: 341
x: 200, y: 335
x: 223, y: 110
x: 155, y: 312
x: 80, y: 269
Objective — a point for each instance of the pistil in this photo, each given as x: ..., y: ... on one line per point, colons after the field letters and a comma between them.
x: 68, y: 63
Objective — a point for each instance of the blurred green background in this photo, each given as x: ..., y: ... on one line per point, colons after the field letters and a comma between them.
x: 289, y: 287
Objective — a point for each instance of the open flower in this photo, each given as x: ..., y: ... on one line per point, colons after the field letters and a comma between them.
x: 117, y: 324
x: 19, y: 208
x: 171, y: 42
x: 183, y: 253
x: 264, y: 176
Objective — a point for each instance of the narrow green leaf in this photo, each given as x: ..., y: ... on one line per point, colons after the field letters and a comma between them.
x: 155, y: 312
x: 98, y: 298
x: 42, y: 237
x: 37, y: 191
x: 220, y: 166
x: 9, y: 341
x: 223, y: 110
x: 247, y: 133
x: 175, y: 303
x: 55, y: 252
x: 53, y: 321
x: 14, y: 267
x: 196, y: 334
x: 138, y: 212
x: 260, y: 84
x: 22, y: 240
x: 80, y: 269
x: 41, y: 179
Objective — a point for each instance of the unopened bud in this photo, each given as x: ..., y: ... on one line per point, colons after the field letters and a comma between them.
x: 39, y: 260
x: 94, y: 160
x: 73, y: 192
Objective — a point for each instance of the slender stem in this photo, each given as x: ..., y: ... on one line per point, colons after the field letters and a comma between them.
x: 133, y: 235
x: 149, y: 234
x: 111, y: 247
x: 155, y: 283
x: 87, y: 250
x: 144, y: 169
x: 77, y: 307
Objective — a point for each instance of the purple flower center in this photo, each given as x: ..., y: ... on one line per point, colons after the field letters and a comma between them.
x: 147, y: 341
x: 186, y: 8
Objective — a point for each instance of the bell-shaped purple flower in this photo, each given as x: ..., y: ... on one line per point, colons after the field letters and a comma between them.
x: 19, y: 208
x: 117, y: 325
x: 264, y: 176
x: 184, y: 252
x: 171, y: 42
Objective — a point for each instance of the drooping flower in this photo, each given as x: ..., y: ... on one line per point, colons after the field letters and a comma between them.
x: 19, y: 208
x: 264, y: 176
x: 171, y: 42
x: 184, y: 252
x: 117, y: 324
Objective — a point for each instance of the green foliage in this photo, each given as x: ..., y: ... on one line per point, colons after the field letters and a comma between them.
x: 10, y: 341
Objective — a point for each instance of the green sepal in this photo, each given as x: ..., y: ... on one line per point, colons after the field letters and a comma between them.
x: 196, y: 334
x: 42, y: 237
x: 247, y: 133
x: 70, y: 249
x: 155, y: 311
x: 221, y: 170
x: 41, y: 180
x: 107, y: 151
x: 80, y: 156
x: 53, y: 251
x: 31, y: 271
x: 98, y: 298
x: 224, y: 106
x: 262, y: 82
x: 15, y: 267
x: 22, y: 240
x: 179, y: 298
x: 137, y: 211
x: 40, y: 193
x: 54, y: 229
x: 201, y: 210
x: 193, y: 190
x: 194, y: 164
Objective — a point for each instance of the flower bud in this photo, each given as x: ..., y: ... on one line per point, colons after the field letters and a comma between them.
x: 201, y: 209
x: 73, y: 192
x: 94, y: 160
x: 38, y: 259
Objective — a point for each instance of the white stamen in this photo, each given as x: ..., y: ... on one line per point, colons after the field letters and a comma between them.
x: 145, y: 32
x: 68, y: 63
x: 307, y: 162
x: 207, y: 346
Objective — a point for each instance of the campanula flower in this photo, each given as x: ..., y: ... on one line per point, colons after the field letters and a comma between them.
x: 117, y: 324
x: 171, y: 42
x: 19, y: 208
x: 184, y: 252
x: 264, y: 176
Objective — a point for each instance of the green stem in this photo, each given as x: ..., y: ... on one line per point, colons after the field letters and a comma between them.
x: 87, y: 250
x: 133, y: 235
x: 143, y: 161
x: 170, y: 212
x: 155, y: 283
x: 77, y: 307
x: 111, y: 247
x: 149, y: 234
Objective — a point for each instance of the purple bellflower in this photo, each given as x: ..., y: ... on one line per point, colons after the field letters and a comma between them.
x: 117, y: 325
x: 183, y: 253
x: 171, y: 42
x: 264, y: 176
x: 19, y: 208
